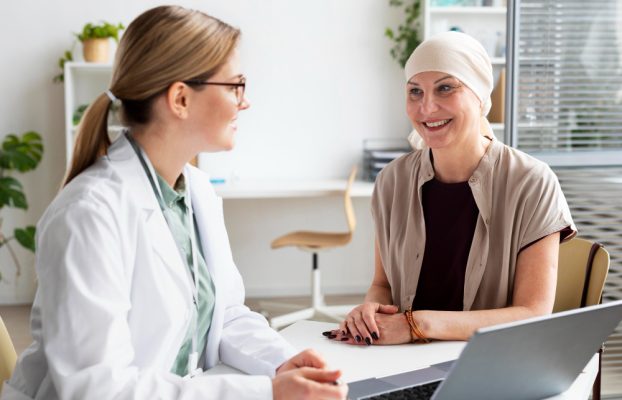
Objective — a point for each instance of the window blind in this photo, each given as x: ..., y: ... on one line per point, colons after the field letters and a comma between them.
x: 569, y: 97
x: 565, y: 101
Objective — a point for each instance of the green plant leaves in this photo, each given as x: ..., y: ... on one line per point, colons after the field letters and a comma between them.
x: 406, y: 37
x: 78, y: 113
x: 11, y: 193
x: 18, y: 153
x: 21, y: 154
x: 104, y: 30
x: 67, y: 56
x: 26, y: 237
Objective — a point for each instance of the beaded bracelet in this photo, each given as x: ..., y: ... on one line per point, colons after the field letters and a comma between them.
x: 415, y: 333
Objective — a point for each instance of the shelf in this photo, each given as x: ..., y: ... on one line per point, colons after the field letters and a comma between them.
x: 468, y: 10
x: 497, y: 60
x: 90, y: 65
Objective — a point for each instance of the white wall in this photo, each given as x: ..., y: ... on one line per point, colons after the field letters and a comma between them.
x: 320, y: 81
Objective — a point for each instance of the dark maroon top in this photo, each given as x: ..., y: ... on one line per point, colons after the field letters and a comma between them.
x: 450, y: 216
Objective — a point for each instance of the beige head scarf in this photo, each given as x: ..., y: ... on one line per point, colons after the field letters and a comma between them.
x: 461, y: 56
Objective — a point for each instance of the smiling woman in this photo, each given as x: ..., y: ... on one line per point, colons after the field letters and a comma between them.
x: 467, y: 229
x: 445, y: 112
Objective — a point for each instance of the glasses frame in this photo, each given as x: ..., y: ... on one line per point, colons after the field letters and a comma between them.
x: 239, y: 93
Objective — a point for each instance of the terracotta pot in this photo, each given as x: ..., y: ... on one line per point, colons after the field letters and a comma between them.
x: 96, y: 50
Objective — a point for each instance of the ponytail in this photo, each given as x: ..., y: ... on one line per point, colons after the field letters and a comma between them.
x: 163, y: 45
x: 92, y: 140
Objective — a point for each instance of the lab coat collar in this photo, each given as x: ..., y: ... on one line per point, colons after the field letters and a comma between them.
x: 122, y: 157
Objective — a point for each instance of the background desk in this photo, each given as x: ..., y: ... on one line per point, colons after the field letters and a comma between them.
x: 258, y: 211
x: 262, y: 189
x: 360, y: 362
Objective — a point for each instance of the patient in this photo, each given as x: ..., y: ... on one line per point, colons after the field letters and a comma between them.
x: 467, y: 228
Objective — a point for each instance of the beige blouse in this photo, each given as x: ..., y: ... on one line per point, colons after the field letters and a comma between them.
x: 519, y: 201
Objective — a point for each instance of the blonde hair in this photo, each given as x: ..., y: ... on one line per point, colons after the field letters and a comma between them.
x: 161, y: 46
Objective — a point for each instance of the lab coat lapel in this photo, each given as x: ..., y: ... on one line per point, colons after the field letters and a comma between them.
x: 208, y: 214
x: 124, y: 159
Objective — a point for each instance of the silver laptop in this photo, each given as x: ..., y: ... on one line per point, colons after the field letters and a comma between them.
x: 529, y: 359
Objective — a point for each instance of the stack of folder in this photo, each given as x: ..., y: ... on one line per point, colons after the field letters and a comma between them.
x: 377, y: 153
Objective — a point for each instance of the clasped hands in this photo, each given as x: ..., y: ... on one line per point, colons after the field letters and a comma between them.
x: 372, y: 323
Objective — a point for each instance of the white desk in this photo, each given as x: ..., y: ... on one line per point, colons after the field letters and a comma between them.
x: 360, y: 362
x: 265, y: 188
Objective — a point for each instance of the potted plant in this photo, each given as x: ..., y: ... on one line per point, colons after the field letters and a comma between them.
x: 17, y: 154
x: 67, y: 57
x: 96, y: 40
x: 406, y: 37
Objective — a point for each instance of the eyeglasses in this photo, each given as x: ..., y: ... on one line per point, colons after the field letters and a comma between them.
x: 240, y: 87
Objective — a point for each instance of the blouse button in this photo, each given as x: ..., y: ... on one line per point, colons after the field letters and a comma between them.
x: 473, y: 180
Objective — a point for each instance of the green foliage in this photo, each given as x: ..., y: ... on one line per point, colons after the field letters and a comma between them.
x: 67, y: 56
x: 104, y: 30
x: 11, y: 193
x: 26, y: 237
x: 78, y: 113
x: 21, y: 154
x: 18, y: 154
x: 89, y: 31
x: 406, y: 37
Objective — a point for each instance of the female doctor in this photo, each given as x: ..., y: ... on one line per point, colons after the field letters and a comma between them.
x: 138, y: 291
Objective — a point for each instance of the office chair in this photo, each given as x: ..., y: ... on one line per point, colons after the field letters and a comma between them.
x: 314, y: 242
x: 583, y: 267
x: 8, y: 357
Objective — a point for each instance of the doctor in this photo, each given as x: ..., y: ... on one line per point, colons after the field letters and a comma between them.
x: 138, y: 292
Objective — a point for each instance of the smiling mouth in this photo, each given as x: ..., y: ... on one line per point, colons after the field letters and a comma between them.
x: 437, y: 124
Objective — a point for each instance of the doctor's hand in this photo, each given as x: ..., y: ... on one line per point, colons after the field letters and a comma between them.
x: 361, y: 324
x: 308, y: 383
x: 306, y: 358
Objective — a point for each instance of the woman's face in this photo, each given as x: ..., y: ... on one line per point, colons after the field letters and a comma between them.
x: 214, y: 108
x: 444, y: 111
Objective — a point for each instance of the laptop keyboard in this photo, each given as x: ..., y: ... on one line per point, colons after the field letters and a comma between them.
x: 421, y: 392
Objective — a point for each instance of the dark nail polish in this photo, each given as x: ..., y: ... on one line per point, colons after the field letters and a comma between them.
x: 332, y: 336
x: 343, y: 339
x: 327, y: 333
x: 357, y: 338
x: 368, y: 341
x: 374, y: 335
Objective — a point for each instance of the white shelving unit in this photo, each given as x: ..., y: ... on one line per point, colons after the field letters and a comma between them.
x: 83, y: 83
x: 485, y: 23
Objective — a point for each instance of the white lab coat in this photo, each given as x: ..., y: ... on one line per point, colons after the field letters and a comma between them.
x: 114, y: 299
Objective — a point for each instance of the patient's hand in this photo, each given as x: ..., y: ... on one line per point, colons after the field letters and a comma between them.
x: 392, y: 329
x: 372, y: 323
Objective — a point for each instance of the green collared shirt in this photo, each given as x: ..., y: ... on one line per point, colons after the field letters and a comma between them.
x: 202, y: 315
